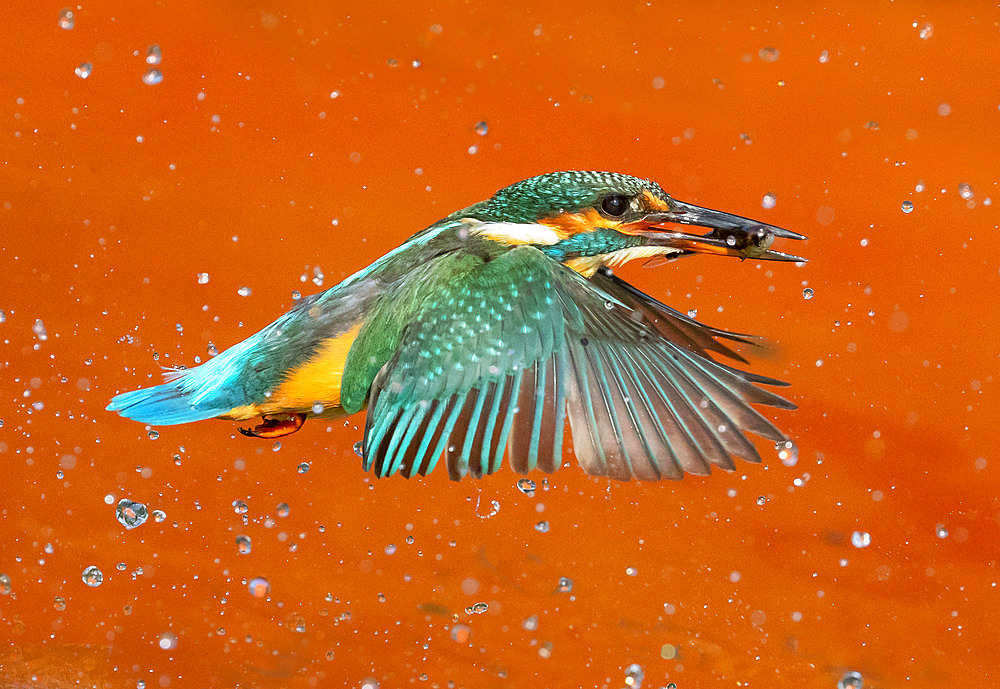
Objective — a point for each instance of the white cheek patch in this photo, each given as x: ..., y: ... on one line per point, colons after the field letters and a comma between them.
x: 515, y: 233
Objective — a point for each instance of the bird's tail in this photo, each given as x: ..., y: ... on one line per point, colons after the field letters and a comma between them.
x: 171, y: 403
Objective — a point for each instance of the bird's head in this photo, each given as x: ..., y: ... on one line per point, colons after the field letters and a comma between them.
x: 587, y: 220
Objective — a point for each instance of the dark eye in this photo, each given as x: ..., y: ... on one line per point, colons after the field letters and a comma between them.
x: 615, y: 205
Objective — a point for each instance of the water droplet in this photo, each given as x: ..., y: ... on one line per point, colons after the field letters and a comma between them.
x: 692, y: 313
x: 240, y: 507
x: 761, y: 500
x: 167, y: 641
x: 788, y: 453
x: 731, y: 240
x: 153, y: 55
x: 668, y: 651
x: 159, y: 516
x: 67, y: 19
x: 153, y: 434
x: 926, y: 31
x: 907, y: 206
x: 768, y: 201
x: 203, y: 278
x: 244, y: 291
x: 460, y: 633
x: 473, y: 150
x: 59, y: 603
x: 965, y: 191
x: 390, y: 549
x: 542, y: 527
x: 824, y: 56
x: 283, y: 510
x: 318, y: 408
x: 632, y: 571
x: 359, y: 447
x: 39, y: 329
x: 84, y: 69
x: 530, y: 623
x: 851, y: 680
x: 940, y: 531
x: 526, y: 486
x: 369, y: 683
x: 212, y: 349
x: 861, y: 539
x: 5, y: 585
x: 296, y: 295
x: 807, y: 293
x: 302, y: 468
x: 152, y: 77
x: 477, y: 608
x: 92, y: 576
x: 243, y: 544
x: 768, y: 54
x: 259, y: 587
x: 482, y: 128
x: 565, y: 585
x: 131, y: 514
x: 634, y: 676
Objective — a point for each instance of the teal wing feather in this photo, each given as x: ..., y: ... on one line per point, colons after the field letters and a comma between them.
x: 498, y: 356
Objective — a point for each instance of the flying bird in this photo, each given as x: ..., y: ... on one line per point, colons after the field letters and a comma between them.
x: 481, y: 336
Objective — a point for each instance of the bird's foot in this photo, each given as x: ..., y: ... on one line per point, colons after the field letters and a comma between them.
x: 275, y: 426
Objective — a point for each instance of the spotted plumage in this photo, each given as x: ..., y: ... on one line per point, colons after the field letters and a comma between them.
x: 483, y: 336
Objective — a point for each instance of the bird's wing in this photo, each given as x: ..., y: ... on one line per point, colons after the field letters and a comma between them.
x: 499, y: 361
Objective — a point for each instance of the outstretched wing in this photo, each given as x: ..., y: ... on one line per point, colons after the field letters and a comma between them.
x: 497, y: 362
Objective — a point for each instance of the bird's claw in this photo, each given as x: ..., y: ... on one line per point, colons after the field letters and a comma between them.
x: 275, y: 426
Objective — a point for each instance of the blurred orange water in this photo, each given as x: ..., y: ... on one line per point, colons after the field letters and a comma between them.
x: 302, y: 139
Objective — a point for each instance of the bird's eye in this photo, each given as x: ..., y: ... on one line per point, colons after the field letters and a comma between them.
x: 615, y: 205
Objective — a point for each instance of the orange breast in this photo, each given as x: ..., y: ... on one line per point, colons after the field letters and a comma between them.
x: 317, y: 380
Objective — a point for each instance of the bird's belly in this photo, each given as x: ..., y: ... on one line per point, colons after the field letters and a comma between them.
x: 312, y: 388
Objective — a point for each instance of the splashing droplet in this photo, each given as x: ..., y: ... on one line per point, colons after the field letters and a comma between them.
x: 851, y: 680
x: 67, y: 19
x: 131, y: 514
x: 768, y: 54
x: 861, y: 539
x: 259, y: 587
x: 788, y: 453
x: 152, y: 77
x: 634, y: 676
x: 92, y: 576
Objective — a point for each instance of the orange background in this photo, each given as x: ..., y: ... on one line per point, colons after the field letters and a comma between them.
x: 245, y: 162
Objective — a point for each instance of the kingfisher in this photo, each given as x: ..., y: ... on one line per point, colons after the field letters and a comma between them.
x: 483, y: 335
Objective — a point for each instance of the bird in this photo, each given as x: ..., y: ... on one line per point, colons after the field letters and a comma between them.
x: 484, y: 335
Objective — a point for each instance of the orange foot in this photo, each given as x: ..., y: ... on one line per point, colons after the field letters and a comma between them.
x: 275, y: 426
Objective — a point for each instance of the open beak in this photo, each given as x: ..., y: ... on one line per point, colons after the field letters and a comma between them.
x: 731, y: 235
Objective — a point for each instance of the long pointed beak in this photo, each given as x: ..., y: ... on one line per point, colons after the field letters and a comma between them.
x: 731, y: 235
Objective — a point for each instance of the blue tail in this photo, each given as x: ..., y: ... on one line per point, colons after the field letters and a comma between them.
x: 164, y: 405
